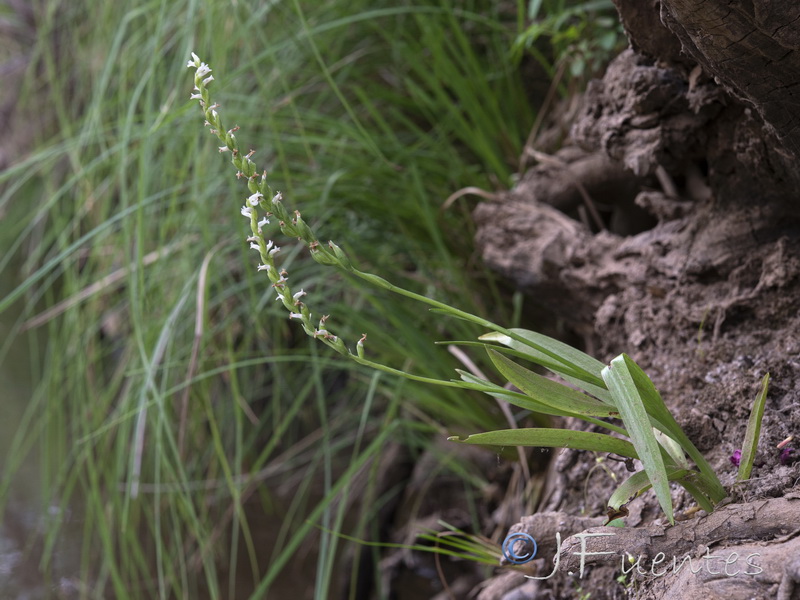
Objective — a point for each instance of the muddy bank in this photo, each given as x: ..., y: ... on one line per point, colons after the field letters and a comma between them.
x: 668, y: 227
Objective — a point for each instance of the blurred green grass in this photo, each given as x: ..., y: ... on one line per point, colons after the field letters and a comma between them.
x: 173, y: 403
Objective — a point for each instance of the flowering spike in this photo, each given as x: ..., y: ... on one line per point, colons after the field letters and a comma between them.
x: 257, y: 203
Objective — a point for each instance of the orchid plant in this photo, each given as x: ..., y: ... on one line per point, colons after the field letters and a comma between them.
x: 618, y: 397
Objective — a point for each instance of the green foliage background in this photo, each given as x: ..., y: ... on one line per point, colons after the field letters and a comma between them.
x: 185, y: 439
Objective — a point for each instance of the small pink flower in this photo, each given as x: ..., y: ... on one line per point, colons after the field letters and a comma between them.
x: 786, y: 456
x: 736, y: 458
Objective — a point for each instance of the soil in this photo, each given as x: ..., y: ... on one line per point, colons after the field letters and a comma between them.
x: 667, y: 228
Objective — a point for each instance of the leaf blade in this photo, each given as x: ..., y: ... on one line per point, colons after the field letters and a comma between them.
x: 662, y: 419
x: 636, y: 484
x: 753, y: 432
x: 620, y: 383
x: 550, y: 392
x: 552, y: 354
x: 551, y: 438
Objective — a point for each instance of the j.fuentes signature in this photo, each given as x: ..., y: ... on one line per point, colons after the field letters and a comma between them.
x: 520, y: 548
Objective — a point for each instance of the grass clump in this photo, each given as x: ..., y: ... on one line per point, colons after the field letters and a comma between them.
x: 177, y: 422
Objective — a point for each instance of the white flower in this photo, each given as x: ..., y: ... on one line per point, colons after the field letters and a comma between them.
x: 321, y: 332
x: 223, y: 148
x: 299, y: 295
x: 270, y: 244
x: 262, y: 222
x: 196, y: 97
x: 254, y: 246
x: 203, y: 70
x: 266, y: 268
x: 208, y: 79
x: 295, y: 316
x: 253, y: 200
x: 247, y: 211
x: 278, y: 197
x: 274, y: 251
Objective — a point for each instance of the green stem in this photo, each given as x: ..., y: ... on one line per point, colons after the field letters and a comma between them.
x: 381, y: 282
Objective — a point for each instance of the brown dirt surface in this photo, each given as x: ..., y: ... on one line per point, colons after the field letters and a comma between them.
x: 696, y: 275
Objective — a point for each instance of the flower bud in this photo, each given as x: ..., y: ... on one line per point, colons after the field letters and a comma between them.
x: 344, y: 262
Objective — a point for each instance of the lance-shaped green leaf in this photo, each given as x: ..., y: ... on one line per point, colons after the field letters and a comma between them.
x: 636, y: 484
x: 673, y: 448
x: 620, y: 383
x: 523, y: 401
x: 662, y: 418
x: 697, y: 491
x: 753, y: 432
x: 553, y: 355
x: 573, y: 376
x: 549, y: 392
x: 551, y: 438
x: 515, y: 398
